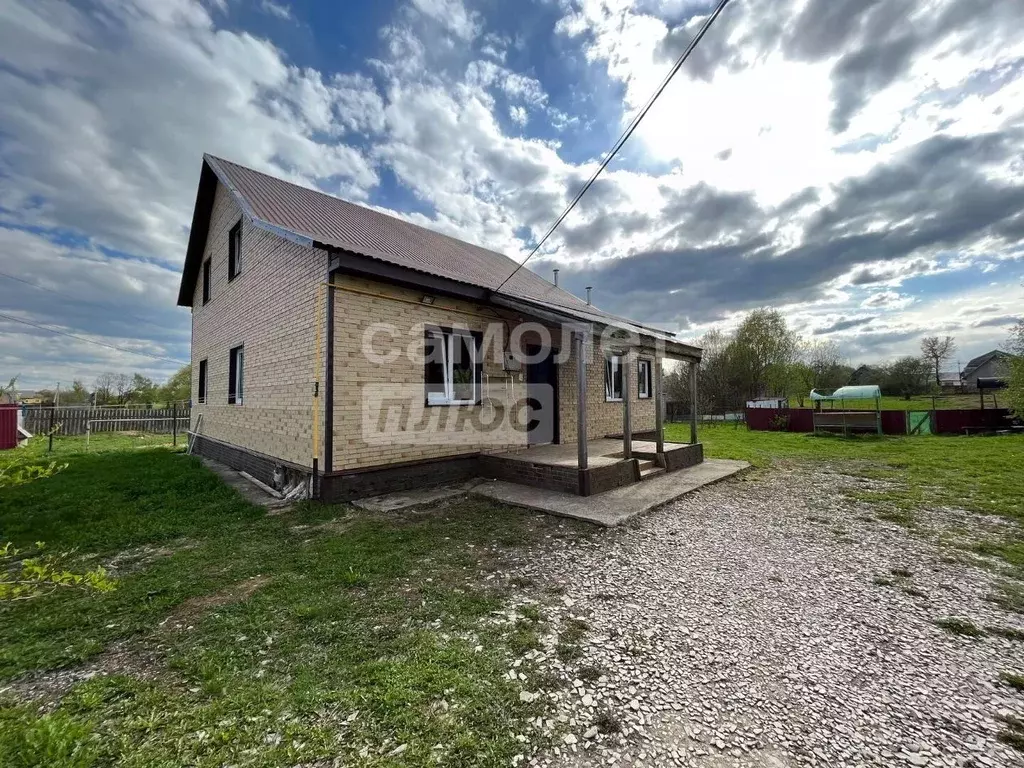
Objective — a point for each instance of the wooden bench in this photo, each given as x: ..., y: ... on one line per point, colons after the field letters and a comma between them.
x: 846, y: 421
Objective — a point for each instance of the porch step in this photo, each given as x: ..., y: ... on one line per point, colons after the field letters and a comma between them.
x: 645, y: 464
x: 646, y: 474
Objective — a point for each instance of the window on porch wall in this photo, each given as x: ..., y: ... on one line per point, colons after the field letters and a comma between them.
x: 613, y: 378
x: 452, y: 370
x: 644, y: 382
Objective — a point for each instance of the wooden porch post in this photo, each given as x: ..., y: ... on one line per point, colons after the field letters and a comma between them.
x: 581, y: 399
x: 693, y: 402
x: 628, y: 361
x: 659, y: 404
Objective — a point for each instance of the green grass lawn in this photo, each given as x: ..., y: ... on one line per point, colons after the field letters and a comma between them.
x: 259, y: 640
x: 980, y: 473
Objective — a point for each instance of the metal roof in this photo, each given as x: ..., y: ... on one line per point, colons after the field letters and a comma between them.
x: 313, y: 218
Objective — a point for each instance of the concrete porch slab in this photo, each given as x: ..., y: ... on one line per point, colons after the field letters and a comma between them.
x: 616, y: 506
x: 390, y: 502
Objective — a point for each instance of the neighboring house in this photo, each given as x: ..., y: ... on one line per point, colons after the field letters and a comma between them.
x: 33, y: 398
x: 371, y: 354
x: 994, y: 364
x: 865, y: 375
x: 950, y: 380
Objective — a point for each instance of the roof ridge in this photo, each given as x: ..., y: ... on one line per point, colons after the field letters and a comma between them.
x: 432, y: 232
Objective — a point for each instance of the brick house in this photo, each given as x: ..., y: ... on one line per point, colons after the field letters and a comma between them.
x: 371, y: 354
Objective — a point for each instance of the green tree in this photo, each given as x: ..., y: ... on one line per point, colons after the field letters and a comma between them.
x: 762, y: 354
x: 1015, y: 393
x: 179, y: 386
x: 142, y: 390
x: 77, y: 395
x: 906, y: 376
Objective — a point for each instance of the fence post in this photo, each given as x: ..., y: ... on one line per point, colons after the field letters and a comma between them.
x: 174, y: 422
x: 50, y: 447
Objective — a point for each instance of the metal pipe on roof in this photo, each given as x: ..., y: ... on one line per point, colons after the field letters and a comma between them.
x: 556, y: 276
x: 589, y: 289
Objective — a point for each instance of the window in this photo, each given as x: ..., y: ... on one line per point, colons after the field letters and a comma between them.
x: 613, y: 377
x: 235, y: 251
x: 206, y: 281
x: 452, y: 367
x: 644, y: 380
x: 202, y: 381
x: 236, y: 375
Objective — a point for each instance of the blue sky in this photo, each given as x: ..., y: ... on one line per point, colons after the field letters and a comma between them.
x: 834, y: 158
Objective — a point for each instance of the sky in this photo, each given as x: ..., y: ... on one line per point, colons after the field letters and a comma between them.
x: 857, y: 164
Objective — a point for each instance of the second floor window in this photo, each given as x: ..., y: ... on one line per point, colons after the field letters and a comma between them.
x: 235, y: 251
x: 206, y: 281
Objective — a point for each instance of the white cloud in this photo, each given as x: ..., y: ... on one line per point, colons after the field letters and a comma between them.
x: 81, y: 291
x: 452, y: 14
x: 106, y: 120
x: 108, y: 110
x: 281, y: 10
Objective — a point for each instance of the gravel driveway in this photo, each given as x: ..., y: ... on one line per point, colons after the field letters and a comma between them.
x: 770, y: 621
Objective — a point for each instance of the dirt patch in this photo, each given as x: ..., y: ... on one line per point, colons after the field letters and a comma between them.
x: 138, y: 558
x: 47, y: 689
x: 135, y: 658
x: 190, y: 611
x: 338, y: 525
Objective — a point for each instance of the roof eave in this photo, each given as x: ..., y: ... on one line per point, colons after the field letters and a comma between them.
x: 672, y: 347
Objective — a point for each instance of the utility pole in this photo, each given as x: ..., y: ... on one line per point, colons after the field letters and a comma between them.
x: 56, y: 396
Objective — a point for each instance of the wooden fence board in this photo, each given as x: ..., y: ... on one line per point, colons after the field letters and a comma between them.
x: 73, y: 421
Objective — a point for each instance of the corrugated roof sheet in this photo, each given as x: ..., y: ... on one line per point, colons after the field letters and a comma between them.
x: 336, y: 222
x: 311, y: 216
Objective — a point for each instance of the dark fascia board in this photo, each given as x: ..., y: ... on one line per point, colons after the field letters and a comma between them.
x: 208, y: 178
x: 197, y: 235
x: 347, y: 262
x: 546, y: 313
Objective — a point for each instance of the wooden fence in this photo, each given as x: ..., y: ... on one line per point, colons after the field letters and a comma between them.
x: 73, y: 420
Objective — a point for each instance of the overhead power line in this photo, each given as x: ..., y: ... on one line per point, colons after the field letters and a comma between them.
x: 625, y: 134
x: 80, y: 300
x: 91, y: 341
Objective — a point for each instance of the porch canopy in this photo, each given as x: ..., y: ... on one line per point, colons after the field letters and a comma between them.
x: 626, y: 337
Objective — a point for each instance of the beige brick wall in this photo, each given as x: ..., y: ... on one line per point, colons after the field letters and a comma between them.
x: 603, y: 417
x: 414, y: 431
x: 269, y: 309
x: 411, y: 434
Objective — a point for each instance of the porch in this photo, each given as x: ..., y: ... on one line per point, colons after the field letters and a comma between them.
x: 556, y: 467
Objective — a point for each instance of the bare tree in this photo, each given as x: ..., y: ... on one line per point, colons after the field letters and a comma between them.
x: 123, y: 385
x: 105, y: 384
x: 936, y: 350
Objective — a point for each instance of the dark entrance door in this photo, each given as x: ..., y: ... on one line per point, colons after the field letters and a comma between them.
x: 542, y: 398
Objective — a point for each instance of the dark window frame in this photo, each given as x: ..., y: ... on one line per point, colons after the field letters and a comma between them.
x: 644, y: 377
x: 611, y: 362
x: 203, y: 372
x: 235, y: 262
x: 432, y: 331
x: 236, y: 377
x: 207, y: 280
